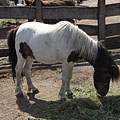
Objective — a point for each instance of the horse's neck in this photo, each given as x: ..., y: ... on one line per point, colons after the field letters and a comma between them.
x: 87, y: 47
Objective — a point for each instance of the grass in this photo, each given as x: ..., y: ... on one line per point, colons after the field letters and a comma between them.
x: 11, y: 22
x: 4, y: 60
x: 85, y: 105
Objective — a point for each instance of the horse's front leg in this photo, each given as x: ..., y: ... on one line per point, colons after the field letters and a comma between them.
x: 65, y: 79
x: 70, y: 69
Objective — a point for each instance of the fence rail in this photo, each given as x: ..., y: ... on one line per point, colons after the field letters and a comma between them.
x: 59, y: 12
x: 68, y: 12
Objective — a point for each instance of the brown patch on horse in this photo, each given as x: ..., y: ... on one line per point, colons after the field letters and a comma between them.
x: 73, y: 57
x: 25, y: 50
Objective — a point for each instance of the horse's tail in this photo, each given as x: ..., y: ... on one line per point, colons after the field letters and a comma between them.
x: 12, y: 51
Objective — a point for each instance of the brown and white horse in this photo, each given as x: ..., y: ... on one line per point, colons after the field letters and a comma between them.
x: 61, y: 42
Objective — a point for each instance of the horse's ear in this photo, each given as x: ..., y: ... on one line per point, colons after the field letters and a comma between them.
x: 114, y: 72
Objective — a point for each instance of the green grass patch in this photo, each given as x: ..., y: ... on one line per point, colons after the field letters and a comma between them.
x: 4, y: 60
x: 85, y: 105
x: 11, y: 22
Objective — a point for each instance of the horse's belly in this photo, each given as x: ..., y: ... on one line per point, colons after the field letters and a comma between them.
x: 47, y: 51
x: 47, y: 58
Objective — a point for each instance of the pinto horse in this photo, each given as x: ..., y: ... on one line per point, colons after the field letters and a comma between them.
x: 61, y: 42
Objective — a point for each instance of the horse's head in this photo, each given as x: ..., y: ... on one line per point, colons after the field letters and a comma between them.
x: 101, y: 81
x: 102, y: 78
x: 105, y: 69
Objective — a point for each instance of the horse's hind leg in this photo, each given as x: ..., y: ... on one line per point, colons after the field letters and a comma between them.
x: 18, y: 68
x: 27, y: 69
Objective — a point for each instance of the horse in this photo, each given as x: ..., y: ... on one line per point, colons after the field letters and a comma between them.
x: 62, y: 42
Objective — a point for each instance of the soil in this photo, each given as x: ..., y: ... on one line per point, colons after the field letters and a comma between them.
x: 47, y: 78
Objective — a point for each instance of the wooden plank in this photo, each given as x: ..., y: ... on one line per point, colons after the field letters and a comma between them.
x: 17, y: 12
x: 58, y: 12
x: 112, y: 10
x: 112, y: 42
x: 101, y: 19
x: 4, y: 52
x: 89, y: 29
x: 69, y: 12
x: 38, y: 11
x: 112, y: 29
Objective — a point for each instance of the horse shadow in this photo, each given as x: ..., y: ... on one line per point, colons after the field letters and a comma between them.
x: 111, y: 104
x: 43, y: 109
x: 32, y: 106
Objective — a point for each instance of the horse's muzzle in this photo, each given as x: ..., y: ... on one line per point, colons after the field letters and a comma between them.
x: 102, y: 92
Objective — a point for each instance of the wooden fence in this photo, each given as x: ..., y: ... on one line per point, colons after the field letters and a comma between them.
x: 70, y: 12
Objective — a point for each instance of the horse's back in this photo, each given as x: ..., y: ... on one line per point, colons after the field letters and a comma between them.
x: 43, y: 42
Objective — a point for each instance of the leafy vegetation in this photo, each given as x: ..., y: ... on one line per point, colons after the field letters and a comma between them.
x: 85, y: 105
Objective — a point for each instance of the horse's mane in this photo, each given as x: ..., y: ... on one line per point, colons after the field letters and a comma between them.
x: 79, y: 41
x: 105, y: 60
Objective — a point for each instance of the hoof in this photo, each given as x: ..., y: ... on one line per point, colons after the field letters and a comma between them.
x: 20, y: 95
x: 63, y: 99
x: 70, y: 95
x: 36, y: 91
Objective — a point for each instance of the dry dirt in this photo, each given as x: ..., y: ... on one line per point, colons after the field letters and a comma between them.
x: 47, y: 78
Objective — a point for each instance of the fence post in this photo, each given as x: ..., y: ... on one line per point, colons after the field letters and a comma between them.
x: 101, y: 19
x: 38, y: 10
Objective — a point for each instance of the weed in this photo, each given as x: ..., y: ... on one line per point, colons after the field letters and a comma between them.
x: 85, y: 105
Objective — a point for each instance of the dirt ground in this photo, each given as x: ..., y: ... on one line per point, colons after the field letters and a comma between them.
x: 47, y: 78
